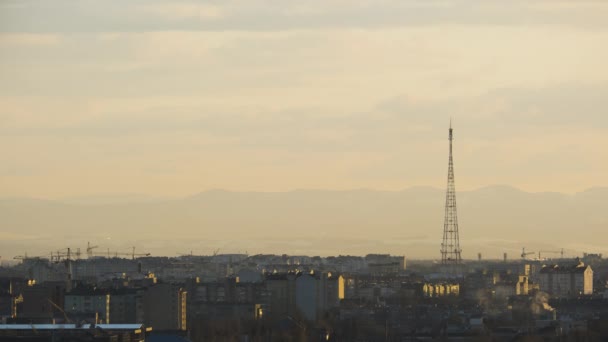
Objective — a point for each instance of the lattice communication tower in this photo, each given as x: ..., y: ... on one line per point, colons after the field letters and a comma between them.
x: 450, y: 247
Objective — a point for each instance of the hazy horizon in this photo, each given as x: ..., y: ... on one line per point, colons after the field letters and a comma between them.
x: 443, y: 131
x: 135, y: 197
x: 493, y: 220
x: 140, y: 108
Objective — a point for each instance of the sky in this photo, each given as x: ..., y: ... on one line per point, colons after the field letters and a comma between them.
x: 171, y: 98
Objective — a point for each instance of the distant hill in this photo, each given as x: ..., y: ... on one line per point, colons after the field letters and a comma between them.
x: 492, y: 220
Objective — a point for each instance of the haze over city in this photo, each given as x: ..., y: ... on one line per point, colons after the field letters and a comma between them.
x: 112, y: 110
x: 303, y: 171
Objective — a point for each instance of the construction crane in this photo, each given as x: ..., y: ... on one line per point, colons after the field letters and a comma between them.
x: 561, y: 253
x: 133, y: 254
x: 21, y: 257
x: 524, y: 254
x: 62, y: 254
x: 90, y: 249
x: 65, y: 315
x: 109, y: 254
x: 65, y: 255
x: 27, y: 257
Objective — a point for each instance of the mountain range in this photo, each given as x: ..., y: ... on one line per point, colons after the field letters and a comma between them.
x: 492, y: 221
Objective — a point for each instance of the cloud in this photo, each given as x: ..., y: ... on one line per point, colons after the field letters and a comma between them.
x: 571, y: 105
x: 336, y: 67
x: 266, y: 15
x: 179, y: 11
x: 316, y: 93
x: 16, y: 40
x: 502, y: 116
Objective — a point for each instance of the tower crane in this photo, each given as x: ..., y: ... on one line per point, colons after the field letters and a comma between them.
x: 133, y: 254
x: 27, y: 257
x: 66, y: 255
x: 560, y: 252
x: 21, y: 257
x: 90, y: 249
x: 524, y: 254
x: 109, y: 254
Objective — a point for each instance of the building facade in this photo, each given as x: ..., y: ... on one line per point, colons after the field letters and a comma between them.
x: 85, y: 303
x: 566, y: 281
x: 165, y: 307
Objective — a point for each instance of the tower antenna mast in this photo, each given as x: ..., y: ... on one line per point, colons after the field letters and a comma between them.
x: 450, y: 247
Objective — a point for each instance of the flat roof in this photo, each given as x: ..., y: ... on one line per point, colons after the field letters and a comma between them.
x: 135, y: 326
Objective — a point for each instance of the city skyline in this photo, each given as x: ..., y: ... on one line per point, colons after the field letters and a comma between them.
x: 275, y: 170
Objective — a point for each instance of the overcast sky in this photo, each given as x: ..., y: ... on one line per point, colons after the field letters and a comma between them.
x: 171, y: 98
